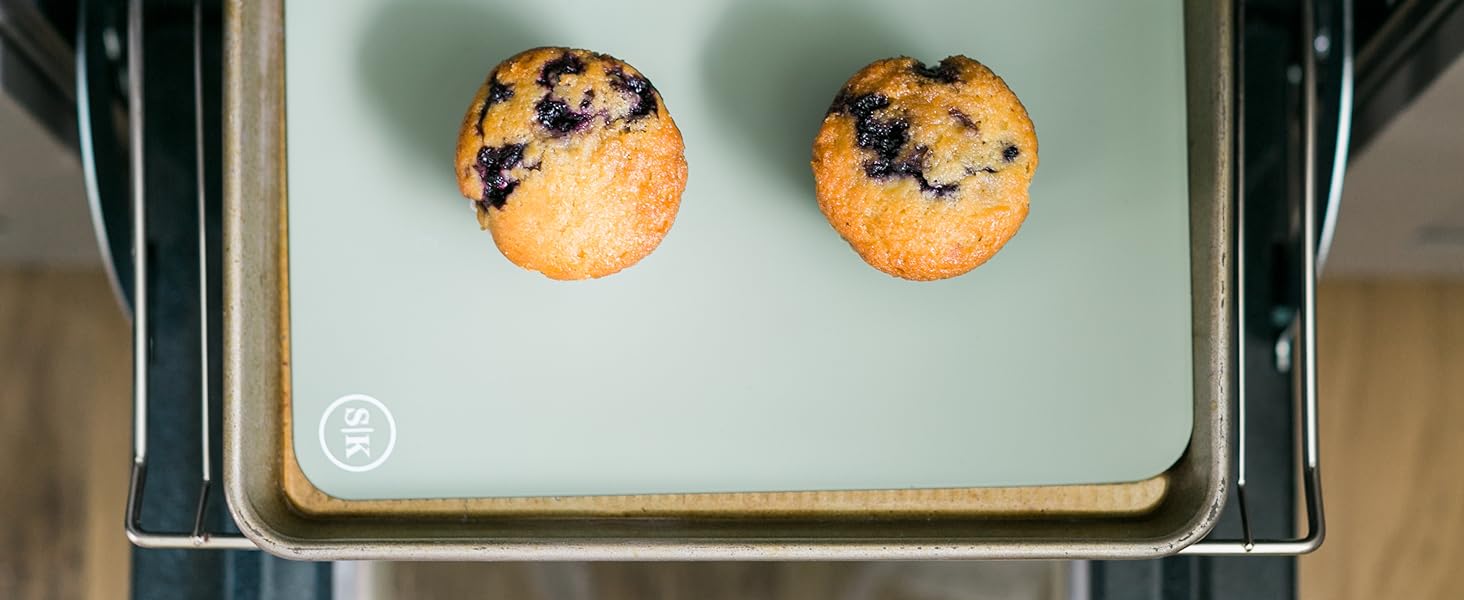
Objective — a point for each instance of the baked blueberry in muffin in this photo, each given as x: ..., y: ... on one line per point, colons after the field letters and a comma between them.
x: 572, y: 162
x: 924, y: 169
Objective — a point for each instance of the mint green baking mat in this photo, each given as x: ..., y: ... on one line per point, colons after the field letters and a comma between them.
x: 753, y: 351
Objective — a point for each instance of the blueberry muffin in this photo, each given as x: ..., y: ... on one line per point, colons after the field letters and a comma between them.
x: 924, y: 170
x: 572, y: 162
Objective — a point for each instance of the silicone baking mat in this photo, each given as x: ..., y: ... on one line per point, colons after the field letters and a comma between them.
x: 753, y: 351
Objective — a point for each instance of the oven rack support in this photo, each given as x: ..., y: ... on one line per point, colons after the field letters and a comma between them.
x: 1303, y: 331
x: 1301, y: 335
x: 199, y: 537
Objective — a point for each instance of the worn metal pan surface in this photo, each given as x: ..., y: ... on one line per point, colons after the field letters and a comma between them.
x: 278, y: 506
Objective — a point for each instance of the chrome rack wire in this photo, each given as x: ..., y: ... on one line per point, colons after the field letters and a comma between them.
x: 1303, y: 330
x: 198, y: 537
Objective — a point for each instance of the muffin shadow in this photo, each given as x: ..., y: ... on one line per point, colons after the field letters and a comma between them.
x: 421, y: 62
x: 772, y: 70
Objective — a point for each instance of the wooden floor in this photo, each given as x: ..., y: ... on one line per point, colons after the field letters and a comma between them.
x: 65, y: 414
x: 1392, y: 377
x: 1392, y: 387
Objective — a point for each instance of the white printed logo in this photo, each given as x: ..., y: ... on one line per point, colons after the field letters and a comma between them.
x: 357, y: 433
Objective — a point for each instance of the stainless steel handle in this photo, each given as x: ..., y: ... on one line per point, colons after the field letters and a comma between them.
x: 103, y: 160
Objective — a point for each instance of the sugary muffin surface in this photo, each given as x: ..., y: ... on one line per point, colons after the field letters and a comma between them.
x: 572, y: 162
x: 924, y: 169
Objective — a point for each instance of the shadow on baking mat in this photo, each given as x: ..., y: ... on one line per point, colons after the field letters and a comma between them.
x: 422, y: 61
x: 772, y: 69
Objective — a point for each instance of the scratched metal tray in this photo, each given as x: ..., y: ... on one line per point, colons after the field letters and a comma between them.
x: 278, y: 506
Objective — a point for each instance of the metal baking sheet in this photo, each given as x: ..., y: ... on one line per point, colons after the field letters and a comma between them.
x: 753, y: 351
x: 268, y: 345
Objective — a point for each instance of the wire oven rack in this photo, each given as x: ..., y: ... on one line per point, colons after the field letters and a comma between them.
x: 1301, y: 334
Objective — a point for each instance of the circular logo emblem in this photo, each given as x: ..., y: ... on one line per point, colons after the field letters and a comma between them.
x: 357, y: 433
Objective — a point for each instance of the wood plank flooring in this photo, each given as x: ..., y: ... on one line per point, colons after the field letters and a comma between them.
x: 65, y: 431
x: 1391, y: 376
